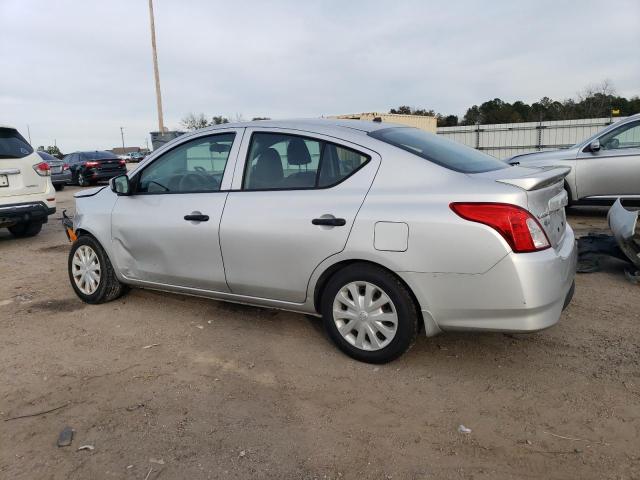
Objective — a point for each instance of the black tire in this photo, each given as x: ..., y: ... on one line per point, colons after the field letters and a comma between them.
x: 406, y: 310
x: 24, y: 230
x: 109, y: 287
x: 82, y: 180
x: 59, y: 186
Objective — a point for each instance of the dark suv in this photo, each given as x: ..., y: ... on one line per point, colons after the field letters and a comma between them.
x: 88, y: 168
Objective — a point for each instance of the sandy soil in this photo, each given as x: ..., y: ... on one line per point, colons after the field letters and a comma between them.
x: 238, y: 392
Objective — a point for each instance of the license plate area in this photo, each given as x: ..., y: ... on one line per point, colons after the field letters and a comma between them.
x: 4, y: 181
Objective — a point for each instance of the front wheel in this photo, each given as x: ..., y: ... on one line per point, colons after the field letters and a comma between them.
x: 369, y: 313
x: 91, y: 274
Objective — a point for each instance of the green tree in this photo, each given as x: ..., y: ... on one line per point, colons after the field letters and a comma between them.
x: 53, y: 150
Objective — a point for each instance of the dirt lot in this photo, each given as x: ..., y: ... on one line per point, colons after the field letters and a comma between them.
x: 238, y: 392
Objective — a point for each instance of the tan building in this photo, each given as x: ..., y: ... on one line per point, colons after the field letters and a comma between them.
x: 418, y: 121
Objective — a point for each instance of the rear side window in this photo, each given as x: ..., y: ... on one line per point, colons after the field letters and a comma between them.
x: 285, y: 162
x: 12, y: 144
x: 445, y: 153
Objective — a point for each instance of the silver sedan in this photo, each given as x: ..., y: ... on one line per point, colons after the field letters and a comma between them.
x: 382, y: 230
x: 604, y: 167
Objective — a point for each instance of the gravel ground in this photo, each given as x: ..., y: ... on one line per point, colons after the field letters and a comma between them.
x: 226, y: 391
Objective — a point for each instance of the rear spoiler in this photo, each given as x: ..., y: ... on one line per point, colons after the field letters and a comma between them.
x: 543, y: 177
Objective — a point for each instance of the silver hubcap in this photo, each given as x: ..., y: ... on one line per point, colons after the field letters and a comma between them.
x: 86, y: 269
x: 365, y: 316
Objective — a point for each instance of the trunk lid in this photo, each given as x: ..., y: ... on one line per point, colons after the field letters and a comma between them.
x: 546, y: 196
x: 108, y: 164
x: 17, y: 158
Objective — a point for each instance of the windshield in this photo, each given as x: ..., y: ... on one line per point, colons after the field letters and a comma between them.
x: 12, y: 144
x: 445, y: 153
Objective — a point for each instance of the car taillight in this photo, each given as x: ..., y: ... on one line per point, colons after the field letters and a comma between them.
x: 65, y: 166
x: 43, y: 169
x: 91, y: 164
x: 517, y: 226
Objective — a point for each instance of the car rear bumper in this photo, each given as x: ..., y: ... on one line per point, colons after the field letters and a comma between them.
x: 97, y: 175
x: 16, y: 213
x: 61, y: 178
x: 523, y: 292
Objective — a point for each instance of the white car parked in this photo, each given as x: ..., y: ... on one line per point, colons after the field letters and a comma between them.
x: 27, y: 196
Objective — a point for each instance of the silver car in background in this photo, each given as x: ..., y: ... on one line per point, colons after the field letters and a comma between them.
x: 381, y: 230
x: 604, y: 167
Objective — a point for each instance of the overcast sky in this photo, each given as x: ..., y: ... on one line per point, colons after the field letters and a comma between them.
x: 77, y: 70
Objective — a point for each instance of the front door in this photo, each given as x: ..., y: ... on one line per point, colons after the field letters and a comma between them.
x: 166, y: 232
x: 614, y: 170
x: 292, y: 208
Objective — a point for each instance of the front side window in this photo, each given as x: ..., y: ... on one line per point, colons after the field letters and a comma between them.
x: 627, y: 136
x: 195, y: 166
x: 284, y: 162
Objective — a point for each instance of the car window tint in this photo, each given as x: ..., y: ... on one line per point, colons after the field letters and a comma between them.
x: 278, y: 161
x: 12, y: 144
x: 285, y: 162
x: 338, y: 163
x: 195, y: 166
x: 627, y: 136
x: 446, y: 153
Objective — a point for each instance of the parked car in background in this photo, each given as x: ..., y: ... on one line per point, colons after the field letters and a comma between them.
x: 88, y: 168
x: 604, y: 167
x: 135, y: 157
x: 60, y: 173
x: 27, y: 196
x: 380, y: 230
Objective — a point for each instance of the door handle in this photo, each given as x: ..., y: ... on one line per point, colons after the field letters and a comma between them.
x: 330, y: 222
x: 196, y: 217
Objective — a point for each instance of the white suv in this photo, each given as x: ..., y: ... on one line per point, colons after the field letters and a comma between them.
x: 27, y: 196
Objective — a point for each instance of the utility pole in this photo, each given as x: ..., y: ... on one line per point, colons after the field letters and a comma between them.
x: 155, y: 69
x: 122, y: 136
x: 29, y: 133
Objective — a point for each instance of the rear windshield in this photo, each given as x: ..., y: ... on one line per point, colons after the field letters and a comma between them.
x: 98, y: 155
x: 47, y: 157
x: 12, y: 144
x: 446, y: 153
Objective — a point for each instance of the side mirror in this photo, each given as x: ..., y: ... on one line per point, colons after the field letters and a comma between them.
x: 594, y: 146
x: 120, y: 185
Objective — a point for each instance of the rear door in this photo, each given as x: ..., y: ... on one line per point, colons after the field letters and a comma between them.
x: 614, y: 170
x: 292, y: 206
x: 17, y: 158
x: 166, y: 232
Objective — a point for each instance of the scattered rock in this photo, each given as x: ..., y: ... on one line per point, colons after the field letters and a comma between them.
x: 158, y: 461
x: 66, y: 437
x: 87, y: 447
x: 463, y: 429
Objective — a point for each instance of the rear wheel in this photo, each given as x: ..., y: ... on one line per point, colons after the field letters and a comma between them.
x: 91, y: 274
x: 59, y: 186
x: 83, y: 181
x: 24, y: 230
x: 369, y: 314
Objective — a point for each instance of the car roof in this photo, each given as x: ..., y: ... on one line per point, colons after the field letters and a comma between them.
x: 324, y: 124
x: 4, y: 125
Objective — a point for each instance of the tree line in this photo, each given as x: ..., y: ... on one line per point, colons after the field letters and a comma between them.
x: 596, y: 101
